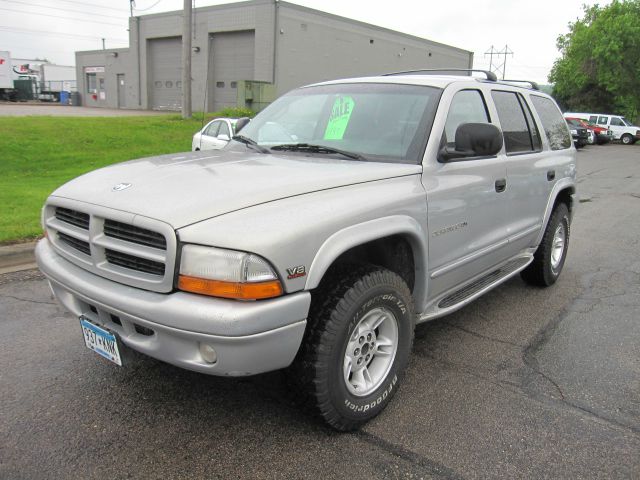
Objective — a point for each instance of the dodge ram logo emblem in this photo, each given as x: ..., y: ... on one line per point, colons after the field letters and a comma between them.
x: 120, y: 186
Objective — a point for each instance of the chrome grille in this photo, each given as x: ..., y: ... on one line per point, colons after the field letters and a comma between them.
x: 73, y: 217
x: 134, y: 263
x: 133, y: 234
x: 121, y: 246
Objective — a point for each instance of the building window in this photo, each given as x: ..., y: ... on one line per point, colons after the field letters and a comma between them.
x: 92, y: 84
x: 179, y: 84
x: 234, y: 84
x: 168, y: 84
x: 158, y: 84
x: 220, y: 84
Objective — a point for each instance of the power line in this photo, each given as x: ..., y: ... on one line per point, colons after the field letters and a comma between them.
x: 498, y: 68
x: 148, y: 8
x: 93, y: 6
x: 27, y: 31
x: 62, y: 9
x: 59, y: 16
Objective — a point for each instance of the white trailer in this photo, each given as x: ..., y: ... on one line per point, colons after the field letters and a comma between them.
x: 6, y: 73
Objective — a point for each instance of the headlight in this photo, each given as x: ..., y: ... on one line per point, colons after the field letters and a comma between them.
x: 227, y: 273
x: 574, y: 132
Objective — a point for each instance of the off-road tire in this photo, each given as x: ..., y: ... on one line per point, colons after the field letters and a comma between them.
x: 345, y: 297
x: 541, y: 272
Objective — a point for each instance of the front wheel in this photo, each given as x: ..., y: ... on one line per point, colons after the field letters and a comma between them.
x: 357, y: 346
x: 552, y: 251
x: 626, y: 139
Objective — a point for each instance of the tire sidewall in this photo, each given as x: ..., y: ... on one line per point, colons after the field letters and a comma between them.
x: 626, y: 139
x: 359, y: 409
x: 561, y: 216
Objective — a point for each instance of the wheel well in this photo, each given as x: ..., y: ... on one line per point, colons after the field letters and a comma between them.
x: 564, y: 196
x: 393, y: 253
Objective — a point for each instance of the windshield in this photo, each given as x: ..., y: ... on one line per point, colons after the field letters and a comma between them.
x: 376, y: 122
x: 627, y: 122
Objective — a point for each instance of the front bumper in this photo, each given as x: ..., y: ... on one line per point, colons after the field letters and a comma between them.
x: 248, y: 337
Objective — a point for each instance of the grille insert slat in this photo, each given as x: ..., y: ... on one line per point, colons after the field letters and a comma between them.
x: 134, y: 263
x: 79, y: 245
x: 133, y: 234
x: 72, y: 217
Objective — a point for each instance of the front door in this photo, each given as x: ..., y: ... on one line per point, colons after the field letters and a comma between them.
x: 466, y: 204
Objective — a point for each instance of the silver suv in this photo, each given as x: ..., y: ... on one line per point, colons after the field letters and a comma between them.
x: 340, y: 217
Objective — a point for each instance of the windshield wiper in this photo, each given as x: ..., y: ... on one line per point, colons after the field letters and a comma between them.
x: 250, y: 142
x: 306, y: 147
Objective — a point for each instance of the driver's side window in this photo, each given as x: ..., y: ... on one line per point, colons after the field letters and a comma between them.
x: 467, y: 106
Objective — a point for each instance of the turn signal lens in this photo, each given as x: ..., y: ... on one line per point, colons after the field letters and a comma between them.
x: 241, y: 291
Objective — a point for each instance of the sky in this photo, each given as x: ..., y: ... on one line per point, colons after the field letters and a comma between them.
x: 56, y: 29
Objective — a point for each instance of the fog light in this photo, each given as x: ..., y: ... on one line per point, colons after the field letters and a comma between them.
x: 208, y: 353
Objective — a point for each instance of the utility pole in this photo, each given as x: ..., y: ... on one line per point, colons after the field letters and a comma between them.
x: 499, y: 68
x: 186, y: 60
x: 103, y: 47
x: 131, y: 4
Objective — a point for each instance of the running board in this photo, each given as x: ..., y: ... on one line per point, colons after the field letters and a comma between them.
x: 475, y: 289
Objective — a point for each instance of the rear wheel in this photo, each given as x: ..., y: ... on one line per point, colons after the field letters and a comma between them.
x: 552, y: 251
x: 357, y: 346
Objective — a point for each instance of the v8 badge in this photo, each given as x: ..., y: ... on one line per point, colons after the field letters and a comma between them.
x: 296, y: 272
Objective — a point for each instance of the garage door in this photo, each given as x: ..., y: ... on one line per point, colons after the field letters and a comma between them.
x: 233, y: 55
x: 165, y: 73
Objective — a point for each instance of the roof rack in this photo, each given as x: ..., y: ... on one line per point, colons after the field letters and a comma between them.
x: 534, y: 85
x: 490, y: 75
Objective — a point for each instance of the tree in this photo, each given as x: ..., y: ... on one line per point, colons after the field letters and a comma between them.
x: 599, y: 69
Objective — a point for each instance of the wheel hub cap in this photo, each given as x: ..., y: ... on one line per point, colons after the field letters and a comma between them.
x: 370, y: 351
x: 557, y: 247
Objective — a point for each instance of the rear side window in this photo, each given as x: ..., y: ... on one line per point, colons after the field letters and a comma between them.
x: 516, y: 127
x: 467, y: 106
x: 552, y: 122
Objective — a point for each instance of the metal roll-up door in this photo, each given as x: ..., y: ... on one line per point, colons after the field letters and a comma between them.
x: 233, y: 58
x: 165, y: 73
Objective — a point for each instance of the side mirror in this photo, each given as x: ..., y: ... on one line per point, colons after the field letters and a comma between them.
x: 473, y: 140
x: 241, y: 123
x: 224, y: 137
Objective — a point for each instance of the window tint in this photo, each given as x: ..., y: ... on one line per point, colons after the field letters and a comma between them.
x: 515, y: 126
x: 616, y: 122
x: 552, y: 122
x: 224, y: 129
x: 536, y: 141
x: 212, y: 130
x: 603, y: 120
x: 467, y: 106
x: 593, y: 118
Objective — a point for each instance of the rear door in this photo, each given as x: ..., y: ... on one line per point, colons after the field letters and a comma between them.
x: 529, y: 174
x: 467, y: 219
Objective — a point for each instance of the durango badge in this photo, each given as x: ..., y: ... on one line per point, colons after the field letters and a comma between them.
x: 120, y: 186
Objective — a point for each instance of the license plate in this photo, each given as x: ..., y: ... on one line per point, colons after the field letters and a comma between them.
x: 101, y: 341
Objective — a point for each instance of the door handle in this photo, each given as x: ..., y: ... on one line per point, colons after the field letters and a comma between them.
x: 501, y: 185
x: 551, y: 175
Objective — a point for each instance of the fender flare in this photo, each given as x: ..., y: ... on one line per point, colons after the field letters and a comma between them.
x: 563, y: 184
x: 365, y: 232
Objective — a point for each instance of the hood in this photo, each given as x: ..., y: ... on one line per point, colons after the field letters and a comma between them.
x: 182, y: 189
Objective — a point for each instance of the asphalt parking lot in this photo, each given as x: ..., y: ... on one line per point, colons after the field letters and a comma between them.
x: 523, y: 383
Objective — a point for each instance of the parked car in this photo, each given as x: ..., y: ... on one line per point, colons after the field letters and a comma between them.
x: 579, y: 133
x: 214, y: 135
x: 344, y: 214
x: 621, y: 128
x: 599, y: 135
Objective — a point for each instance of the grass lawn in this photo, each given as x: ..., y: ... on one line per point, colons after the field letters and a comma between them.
x: 38, y: 154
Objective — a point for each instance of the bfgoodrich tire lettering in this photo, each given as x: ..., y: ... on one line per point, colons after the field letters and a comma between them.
x: 339, y: 309
x: 552, y: 251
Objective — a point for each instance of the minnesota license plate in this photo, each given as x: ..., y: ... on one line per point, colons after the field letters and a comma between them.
x: 101, y: 341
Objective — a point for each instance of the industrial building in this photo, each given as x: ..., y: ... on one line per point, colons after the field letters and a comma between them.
x: 247, y: 54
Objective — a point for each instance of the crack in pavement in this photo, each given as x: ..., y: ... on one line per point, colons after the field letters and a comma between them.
x: 486, y: 337
x: 433, y: 467
x: 28, y: 300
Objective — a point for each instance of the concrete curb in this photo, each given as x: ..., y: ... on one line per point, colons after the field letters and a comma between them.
x: 14, y: 258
